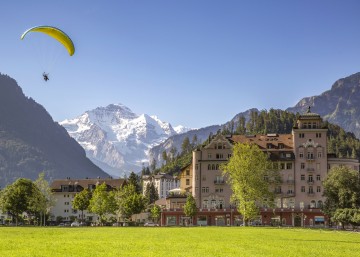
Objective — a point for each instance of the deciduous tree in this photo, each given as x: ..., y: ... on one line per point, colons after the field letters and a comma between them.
x: 190, y: 206
x: 102, y: 202
x: 251, y: 178
x: 48, y: 200
x: 128, y: 201
x: 21, y: 196
x: 82, y: 201
x: 341, y: 189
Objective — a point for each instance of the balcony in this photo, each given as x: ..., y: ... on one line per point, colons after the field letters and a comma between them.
x: 310, y: 193
x: 219, y: 182
x: 290, y: 182
x: 310, y: 182
x: 310, y: 169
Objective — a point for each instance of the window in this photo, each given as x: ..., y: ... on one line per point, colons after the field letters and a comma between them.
x: 219, y: 156
x: 319, y: 154
x: 187, y: 172
x: 205, y: 190
x: 209, y: 155
x: 301, y: 155
x: 205, y: 204
x: 318, y: 135
x: 301, y: 205
x: 217, y: 167
x: 301, y: 135
x: 213, y: 204
x: 289, y: 166
x: 310, y: 179
x: 302, y: 177
x: 320, y: 204
x: 303, y: 189
x: 318, y: 177
x: 213, y: 167
x: 266, y: 178
x: 311, y: 190
x: 282, y: 166
x: 281, y: 146
x: 219, y: 190
x: 229, y: 155
x: 310, y: 155
x: 302, y: 165
x: 318, y: 189
x: 313, y: 204
x: 209, y: 166
x: 187, y: 182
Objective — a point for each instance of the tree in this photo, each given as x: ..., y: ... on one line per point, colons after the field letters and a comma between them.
x: 341, y: 189
x: 346, y: 216
x: 48, y: 199
x: 134, y: 180
x: 164, y: 156
x: 21, y: 196
x: 128, y: 201
x: 186, y: 146
x: 155, y: 213
x: 82, y: 201
x: 153, y: 165
x: 102, y: 202
x: 151, y: 193
x: 190, y: 206
x: 246, y: 172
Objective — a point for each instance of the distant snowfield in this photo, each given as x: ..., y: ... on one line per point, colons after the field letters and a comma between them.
x: 118, y: 140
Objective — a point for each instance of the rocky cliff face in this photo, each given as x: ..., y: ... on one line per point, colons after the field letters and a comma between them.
x: 339, y: 105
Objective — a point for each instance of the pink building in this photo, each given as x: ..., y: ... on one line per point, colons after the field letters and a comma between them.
x: 304, y: 164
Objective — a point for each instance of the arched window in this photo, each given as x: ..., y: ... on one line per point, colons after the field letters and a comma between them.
x: 209, y: 167
x: 283, y: 222
x: 213, y: 204
x: 217, y: 166
x: 312, y: 204
x: 205, y: 204
x: 320, y: 204
x: 213, y: 167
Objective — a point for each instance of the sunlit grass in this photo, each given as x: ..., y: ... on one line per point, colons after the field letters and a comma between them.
x: 194, y: 241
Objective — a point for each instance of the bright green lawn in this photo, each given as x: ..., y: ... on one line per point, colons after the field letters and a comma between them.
x: 194, y: 241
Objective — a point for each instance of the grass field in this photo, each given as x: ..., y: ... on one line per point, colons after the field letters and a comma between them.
x: 194, y: 241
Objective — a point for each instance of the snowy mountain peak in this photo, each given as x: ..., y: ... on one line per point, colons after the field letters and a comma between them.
x: 116, y: 139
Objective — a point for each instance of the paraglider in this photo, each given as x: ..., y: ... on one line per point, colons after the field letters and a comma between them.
x: 46, y: 76
x: 57, y: 34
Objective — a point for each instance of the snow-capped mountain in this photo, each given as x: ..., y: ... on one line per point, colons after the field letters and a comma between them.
x: 118, y: 140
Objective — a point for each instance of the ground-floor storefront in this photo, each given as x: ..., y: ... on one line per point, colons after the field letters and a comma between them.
x: 231, y: 217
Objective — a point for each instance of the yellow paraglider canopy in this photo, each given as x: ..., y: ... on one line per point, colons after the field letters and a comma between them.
x: 56, y: 33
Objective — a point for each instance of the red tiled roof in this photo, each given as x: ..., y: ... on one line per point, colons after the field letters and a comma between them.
x: 263, y: 140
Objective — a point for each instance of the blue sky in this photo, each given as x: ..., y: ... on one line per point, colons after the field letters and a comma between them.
x: 190, y: 62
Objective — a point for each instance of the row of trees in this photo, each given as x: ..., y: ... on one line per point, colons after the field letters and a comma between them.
x: 36, y: 200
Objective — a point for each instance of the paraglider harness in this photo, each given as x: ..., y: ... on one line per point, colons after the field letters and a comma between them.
x: 46, y: 76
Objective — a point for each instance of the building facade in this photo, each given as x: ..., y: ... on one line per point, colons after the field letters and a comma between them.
x: 304, y: 164
x: 162, y: 182
x: 64, y: 191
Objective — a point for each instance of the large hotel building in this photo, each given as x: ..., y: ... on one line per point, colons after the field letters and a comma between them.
x: 304, y: 164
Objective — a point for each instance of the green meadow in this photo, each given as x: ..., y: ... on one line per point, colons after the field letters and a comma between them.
x: 177, y: 241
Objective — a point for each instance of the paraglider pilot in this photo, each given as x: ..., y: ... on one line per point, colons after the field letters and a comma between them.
x: 46, y: 76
